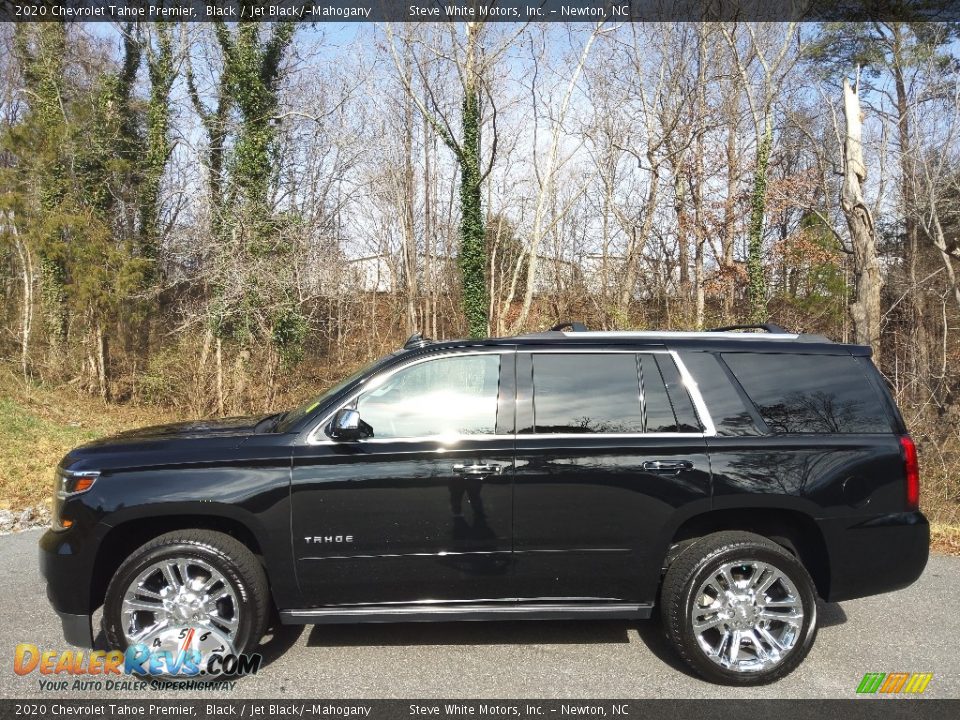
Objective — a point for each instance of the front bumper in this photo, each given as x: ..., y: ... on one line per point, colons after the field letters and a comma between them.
x: 875, y: 556
x: 67, y: 565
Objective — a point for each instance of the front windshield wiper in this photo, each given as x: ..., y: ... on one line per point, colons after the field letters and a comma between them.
x: 269, y: 423
x: 279, y: 418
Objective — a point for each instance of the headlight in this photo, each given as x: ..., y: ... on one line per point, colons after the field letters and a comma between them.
x: 66, y: 484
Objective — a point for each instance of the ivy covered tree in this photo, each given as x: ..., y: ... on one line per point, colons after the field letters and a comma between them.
x: 472, y: 66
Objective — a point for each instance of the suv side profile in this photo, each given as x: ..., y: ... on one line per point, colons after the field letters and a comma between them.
x: 725, y: 480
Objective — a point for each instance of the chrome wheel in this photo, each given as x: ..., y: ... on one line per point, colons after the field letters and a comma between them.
x: 179, y: 593
x: 747, y: 616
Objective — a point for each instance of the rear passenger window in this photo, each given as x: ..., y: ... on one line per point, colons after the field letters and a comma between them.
x: 810, y: 393
x: 586, y: 393
x: 610, y: 393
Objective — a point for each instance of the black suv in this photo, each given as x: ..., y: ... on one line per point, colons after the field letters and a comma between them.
x: 724, y: 479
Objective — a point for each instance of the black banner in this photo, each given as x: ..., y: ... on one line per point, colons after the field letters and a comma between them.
x: 862, y: 709
x: 591, y: 11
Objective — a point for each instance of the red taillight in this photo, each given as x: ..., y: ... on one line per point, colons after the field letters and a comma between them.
x: 913, y: 472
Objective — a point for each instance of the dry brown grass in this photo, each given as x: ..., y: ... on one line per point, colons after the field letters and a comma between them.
x: 39, y: 425
x: 945, y: 539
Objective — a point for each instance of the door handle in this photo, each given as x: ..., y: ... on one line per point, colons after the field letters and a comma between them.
x: 667, y: 467
x: 478, y: 469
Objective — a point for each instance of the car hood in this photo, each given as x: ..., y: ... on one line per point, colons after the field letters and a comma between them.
x: 223, y: 427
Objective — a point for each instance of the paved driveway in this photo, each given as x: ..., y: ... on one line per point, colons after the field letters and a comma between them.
x: 914, y: 630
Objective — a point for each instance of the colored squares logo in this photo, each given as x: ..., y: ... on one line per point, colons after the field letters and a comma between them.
x: 894, y: 683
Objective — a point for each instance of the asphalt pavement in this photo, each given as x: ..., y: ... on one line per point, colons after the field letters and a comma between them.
x: 914, y: 630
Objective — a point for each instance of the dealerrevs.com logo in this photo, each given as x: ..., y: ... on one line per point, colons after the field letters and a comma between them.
x: 190, y: 654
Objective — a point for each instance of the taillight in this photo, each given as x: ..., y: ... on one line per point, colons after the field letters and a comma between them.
x: 913, y: 472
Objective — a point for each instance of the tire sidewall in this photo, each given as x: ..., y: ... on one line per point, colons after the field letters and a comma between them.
x: 797, y: 575
x: 140, y: 560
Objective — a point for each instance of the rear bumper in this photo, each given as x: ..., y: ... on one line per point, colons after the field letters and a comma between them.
x: 869, y: 557
x: 67, y: 567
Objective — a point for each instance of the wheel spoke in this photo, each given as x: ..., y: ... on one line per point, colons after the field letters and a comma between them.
x: 223, y: 593
x: 734, y: 651
x: 789, y: 603
x: 229, y: 622
x: 170, y: 576
x: 134, y: 605
x: 769, y: 639
x: 795, y: 619
x: 141, y: 591
x: 703, y: 626
x: 761, y: 652
x: 760, y: 571
x: 184, y: 575
x: 727, y: 578
x: 208, y: 585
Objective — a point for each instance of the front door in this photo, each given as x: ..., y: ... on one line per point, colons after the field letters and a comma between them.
x: 422, y: 510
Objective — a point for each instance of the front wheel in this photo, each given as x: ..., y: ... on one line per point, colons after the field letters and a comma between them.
x: 194, y: 590
x: 739, y: 609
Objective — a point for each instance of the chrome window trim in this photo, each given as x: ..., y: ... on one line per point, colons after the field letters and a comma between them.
x: 709, y: 430
x: 318, y: 437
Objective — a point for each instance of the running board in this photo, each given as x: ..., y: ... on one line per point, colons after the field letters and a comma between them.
x: 459, y: 612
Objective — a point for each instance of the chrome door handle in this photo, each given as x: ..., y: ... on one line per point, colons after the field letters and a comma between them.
x: 478, y: 469
x: 664, y: 467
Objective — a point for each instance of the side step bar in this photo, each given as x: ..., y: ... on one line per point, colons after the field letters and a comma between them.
x: 418, y: 612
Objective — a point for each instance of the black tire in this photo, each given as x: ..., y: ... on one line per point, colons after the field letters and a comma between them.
x: 227, y: 554
x: 694, y: 565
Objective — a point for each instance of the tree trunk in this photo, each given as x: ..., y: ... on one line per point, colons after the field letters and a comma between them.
x: 26, y: 313
x: 756, y: 283
x: 730, y: 222
x: 865, y: 309
x: 220, y: 376
x: 635, y: 248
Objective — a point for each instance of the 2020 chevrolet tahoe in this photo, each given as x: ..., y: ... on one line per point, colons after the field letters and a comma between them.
x: 724, y: 480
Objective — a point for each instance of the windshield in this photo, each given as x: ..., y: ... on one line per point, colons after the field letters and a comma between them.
x: 291, y: 418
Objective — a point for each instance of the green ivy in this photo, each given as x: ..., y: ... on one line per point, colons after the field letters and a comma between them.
x: 290, y: 328
x: 473, y: 255
x: 756, y: 281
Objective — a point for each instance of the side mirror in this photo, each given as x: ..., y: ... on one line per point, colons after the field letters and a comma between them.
x: 346, y: 426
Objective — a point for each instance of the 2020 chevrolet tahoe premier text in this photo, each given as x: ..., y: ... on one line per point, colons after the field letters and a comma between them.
x: 722, y: 479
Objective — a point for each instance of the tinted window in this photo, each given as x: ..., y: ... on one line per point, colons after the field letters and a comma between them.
x: 667, y: 404
x: 586, y: 393
x: 810, y: 393
x: 729, y: 411
x: 444, y: 397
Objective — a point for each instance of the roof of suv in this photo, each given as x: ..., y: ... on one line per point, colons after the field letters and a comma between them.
x: 773, y: 339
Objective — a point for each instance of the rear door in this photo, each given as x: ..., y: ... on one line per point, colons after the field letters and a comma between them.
x: 609, y: 446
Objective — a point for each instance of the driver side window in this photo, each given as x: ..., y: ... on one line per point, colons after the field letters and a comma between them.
x: 446, y: 397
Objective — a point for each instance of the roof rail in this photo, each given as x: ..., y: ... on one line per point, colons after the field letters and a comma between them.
x: 769, y: 327
x: 574, y: 327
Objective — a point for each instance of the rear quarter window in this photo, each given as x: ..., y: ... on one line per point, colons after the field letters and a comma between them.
x: 810, y: 393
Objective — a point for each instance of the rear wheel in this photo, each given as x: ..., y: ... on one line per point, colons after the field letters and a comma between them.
x: 195, y: 590
x: 739, y: 609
